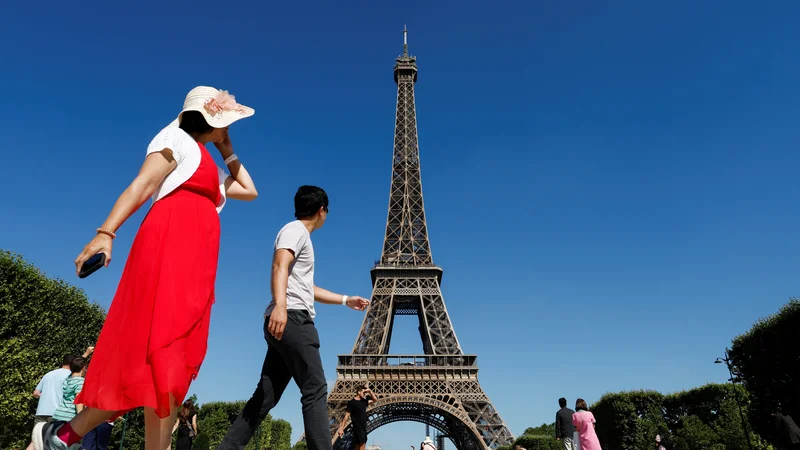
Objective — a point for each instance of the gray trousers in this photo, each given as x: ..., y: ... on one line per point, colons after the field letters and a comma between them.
x: 567, y: 444
x: 296, y: 356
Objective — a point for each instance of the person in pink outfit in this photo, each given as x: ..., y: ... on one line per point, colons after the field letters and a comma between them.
x: 584, y: 424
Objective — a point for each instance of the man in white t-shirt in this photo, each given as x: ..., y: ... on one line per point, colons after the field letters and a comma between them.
x: 292, y: 339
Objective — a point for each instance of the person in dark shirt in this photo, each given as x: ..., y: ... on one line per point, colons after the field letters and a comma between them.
x: 564, y: 427
x: 357, y: 413
x: 787, y: 432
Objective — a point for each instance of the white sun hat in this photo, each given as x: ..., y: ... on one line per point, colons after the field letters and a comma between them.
x: 219, y: 108
x: 427, y: 440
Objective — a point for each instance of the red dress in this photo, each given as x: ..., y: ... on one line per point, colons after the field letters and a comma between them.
x: 155, y: 335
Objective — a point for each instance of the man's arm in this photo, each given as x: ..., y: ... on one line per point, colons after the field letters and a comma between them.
x: 281, y: 262
x: 329, y: 298
x: 89, y: 351
x: 372, y: 397
x: 558, y: 425
x: 37, y: 391
x: 344, y: 421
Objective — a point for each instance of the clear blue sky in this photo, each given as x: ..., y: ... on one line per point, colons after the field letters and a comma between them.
x: 612, y: 191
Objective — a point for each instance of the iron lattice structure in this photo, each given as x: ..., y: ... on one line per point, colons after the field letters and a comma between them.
x: 439, y: 388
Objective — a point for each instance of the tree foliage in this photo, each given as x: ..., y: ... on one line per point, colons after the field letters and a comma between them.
x: 281, y: 435
x: 768, y: 363
x: 41, y: 319
x: 542, y: 430
x: 213, y: 421
x: 705, y: 417
x: 538, y: 442
x: 132, y: 424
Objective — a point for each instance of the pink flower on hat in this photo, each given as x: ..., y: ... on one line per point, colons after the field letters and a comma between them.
x: 223, y: 101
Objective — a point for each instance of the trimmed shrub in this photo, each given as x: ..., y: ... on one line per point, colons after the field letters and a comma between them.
x: 765, y: 360
x: 628, y: 420
x: 542, y: 430
x: 705, y: 417
x: 538, y: 442
x: 43, y: 319
x: 281, y: 438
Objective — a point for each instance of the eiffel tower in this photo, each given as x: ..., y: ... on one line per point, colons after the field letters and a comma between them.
x: 440, y: 387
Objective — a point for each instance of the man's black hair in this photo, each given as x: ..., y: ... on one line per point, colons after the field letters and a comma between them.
x: 67, y: 360
x: 562, y: 402
x: 308, y: 200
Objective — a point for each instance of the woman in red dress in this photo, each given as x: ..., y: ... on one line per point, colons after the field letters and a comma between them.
x: 155, y: 335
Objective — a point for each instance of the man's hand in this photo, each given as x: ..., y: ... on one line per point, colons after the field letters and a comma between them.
x: 89, y: 351
x: 277, y: 322
x: 357, y: 303
x: 341, y: 432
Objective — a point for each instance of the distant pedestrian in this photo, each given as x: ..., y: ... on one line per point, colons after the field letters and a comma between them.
x: 787, y: 433
x: 70, y: 388
x: 357, y: 413
x: 427, y: 444
x: 585, y: 423
x: 659, y: 444
x: 564, y: 428
x: 186, y: 426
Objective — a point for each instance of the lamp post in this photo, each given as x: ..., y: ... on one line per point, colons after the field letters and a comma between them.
x: 727, y: 362
x: 124, y: 426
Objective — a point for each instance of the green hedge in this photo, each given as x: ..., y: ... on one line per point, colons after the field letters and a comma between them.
x: 214, y: 419
x: 281, y: 435
x: 767, y: 361
x: 628, y: 420
x: 706, y: 417
x: 43, y: 319
x: 538, y: 442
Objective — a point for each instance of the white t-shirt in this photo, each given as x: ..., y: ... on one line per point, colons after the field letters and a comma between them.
x: 300, y: 287
x: 187, y: 158
x: 50, y: 387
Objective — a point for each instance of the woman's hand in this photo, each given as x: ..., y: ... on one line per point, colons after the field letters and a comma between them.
x: 224, y: 146
x: 239, y: 185
x: 101, y: 243
x: 156, y: 166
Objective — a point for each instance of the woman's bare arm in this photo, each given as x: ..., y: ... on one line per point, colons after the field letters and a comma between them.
x: 238, y: 186
x: 156, y: 166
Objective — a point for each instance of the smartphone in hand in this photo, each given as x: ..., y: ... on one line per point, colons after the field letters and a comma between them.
x: 92, y: 265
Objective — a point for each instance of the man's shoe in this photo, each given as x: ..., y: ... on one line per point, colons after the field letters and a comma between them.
x: 51, y: 440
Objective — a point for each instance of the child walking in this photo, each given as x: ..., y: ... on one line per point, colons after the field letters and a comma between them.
x: 67, y: 409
